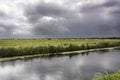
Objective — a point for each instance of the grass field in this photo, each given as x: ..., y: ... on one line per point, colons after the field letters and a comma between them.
x: 115, y: 76
x: 52, y: 42
x: 10, y: 48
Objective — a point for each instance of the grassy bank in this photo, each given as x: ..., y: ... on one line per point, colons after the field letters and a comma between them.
x: 115, y: 76
x: 11, y: 48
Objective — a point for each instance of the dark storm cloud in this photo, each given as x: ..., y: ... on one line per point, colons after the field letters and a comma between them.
x: 8, y: 28
x: 71, y: 18
x: 101, y: 19
x: 100, y: 7
x: 111, y: 3
x: 44, y: 9
x: 52, y: 28
x: 38, y: 15
x: 114, y: 13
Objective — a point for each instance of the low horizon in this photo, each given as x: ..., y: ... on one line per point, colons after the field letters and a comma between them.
x: 61, y: 38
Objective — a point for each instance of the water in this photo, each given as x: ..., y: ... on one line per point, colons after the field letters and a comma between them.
x: 72, y: 67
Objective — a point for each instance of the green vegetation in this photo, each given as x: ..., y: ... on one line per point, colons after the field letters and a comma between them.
x: 10, y: 48
x: 115, y: 76
x: 52, y: 42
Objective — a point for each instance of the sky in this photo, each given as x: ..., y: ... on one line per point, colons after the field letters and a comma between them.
x: 59, y: 18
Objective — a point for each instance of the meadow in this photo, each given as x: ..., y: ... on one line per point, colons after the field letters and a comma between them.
x: 51, y: 42
x: 10, y: 48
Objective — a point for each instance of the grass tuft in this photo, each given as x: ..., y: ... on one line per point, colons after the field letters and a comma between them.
x: 115, y: 76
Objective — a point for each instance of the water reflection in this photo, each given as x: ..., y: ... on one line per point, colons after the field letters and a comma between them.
x: 59, y: 67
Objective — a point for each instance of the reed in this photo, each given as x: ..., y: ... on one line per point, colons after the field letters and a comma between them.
x: 32, y: 50
x: 115, y: 76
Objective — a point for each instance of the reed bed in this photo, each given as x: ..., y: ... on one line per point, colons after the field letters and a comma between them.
x: 11, y: 51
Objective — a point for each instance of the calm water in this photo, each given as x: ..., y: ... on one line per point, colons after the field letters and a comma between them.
x: 73, y: 67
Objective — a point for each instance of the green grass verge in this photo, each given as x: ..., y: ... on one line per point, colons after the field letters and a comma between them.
x: 115, y: 76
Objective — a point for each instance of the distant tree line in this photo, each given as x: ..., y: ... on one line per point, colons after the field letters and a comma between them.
x: 62, y: 38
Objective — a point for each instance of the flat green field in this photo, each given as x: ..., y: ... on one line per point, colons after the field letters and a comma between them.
x: 52, y: 42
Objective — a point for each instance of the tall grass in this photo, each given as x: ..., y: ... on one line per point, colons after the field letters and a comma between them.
x: 21, y: 51
x: 115, y: 76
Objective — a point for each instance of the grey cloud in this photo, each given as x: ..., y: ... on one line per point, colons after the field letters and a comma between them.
x: 115, y: 11
x: 67, y: 19
x: 2, y: 14
x: 92, y: 22
x: 52, y: 28
x: 6, y: 30
x: 39, y: 10
x: 96, y: 22
x: 111, y: 3
x: 49, y: 29
x: 99, y: 7
x: 7, y: 27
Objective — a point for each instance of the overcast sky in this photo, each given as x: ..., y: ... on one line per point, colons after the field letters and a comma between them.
x: 59, y: 18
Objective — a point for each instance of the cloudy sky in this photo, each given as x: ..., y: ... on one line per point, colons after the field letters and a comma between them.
x: 59, y: 18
